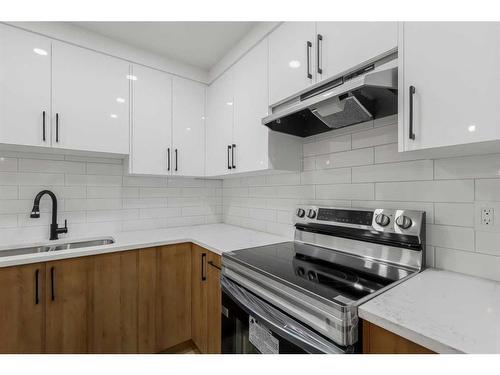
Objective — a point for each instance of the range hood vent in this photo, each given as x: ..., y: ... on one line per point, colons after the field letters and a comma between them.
x: 359, y: 96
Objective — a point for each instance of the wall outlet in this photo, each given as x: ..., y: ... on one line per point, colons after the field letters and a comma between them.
x: 487, y: 215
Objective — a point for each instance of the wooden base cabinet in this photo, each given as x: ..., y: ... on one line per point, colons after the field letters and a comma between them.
x: 22, y: 294
x: 206, y: 300
x: 377, y: 340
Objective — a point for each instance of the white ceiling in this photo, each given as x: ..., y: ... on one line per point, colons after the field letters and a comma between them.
x: 201, y: 44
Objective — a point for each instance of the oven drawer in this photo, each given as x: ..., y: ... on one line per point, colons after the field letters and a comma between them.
x: 251, y: 325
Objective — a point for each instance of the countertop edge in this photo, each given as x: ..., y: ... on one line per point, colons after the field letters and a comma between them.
x: 406, y: 333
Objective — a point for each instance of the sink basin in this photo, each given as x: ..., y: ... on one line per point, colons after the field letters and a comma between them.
x: 60, y: 246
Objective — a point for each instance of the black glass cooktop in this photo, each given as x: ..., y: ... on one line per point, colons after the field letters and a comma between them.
x: 328, y: 273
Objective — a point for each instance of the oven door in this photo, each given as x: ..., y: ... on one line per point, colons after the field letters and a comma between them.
x: 251, y: 325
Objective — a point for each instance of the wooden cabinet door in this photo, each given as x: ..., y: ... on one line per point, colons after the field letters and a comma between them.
x: 22, y: 309
x: 199, y: 322
x: 377, y: 340
x: 213, y: 304
x: 174, y: 301
x: 67, y: 305
x: 114, y: 303
x: 147, y: 297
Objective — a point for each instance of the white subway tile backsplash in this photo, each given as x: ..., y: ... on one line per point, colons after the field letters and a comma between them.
x: 488, y: 190
x: 389, y: 154
x: 461, y: 214
x: 488, y: 242
x: 474, y: 264
x: 405, y: 171
x: 375, y: 137
x: 97, y: 196
x: 426, y: 191
x: 326, y: 146
x: 345, y: 159
x: 326, y: 176
x: 451, y: 237
x: 483, y: 166
x: 345, y: 191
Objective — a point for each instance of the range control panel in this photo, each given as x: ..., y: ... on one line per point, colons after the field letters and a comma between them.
x: 408, y: 222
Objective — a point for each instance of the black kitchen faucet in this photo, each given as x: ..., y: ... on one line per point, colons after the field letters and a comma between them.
x: 35, y: 214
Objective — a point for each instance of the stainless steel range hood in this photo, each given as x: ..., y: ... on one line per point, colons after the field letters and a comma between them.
x: 359, y: 96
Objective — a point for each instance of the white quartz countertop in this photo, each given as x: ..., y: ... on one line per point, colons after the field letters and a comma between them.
x: 218, y: 238
x: 444, y: 311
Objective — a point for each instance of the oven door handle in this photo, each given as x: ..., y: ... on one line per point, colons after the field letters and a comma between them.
x: 278, y: 322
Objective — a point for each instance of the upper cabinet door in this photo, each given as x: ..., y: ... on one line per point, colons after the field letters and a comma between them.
x: 250, y: 106
x: 24, y: 87
x: 449, y: 79
x: 90, y: 94
x: 151, y: 136
x: 188, y: 127
x: 291, y: 59
x: 344, y: 45
x: 219, y: 137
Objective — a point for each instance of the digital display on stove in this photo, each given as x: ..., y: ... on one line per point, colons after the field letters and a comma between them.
x: 345, y: 216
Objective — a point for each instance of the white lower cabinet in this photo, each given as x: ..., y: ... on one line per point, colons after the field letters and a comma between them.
x: 90, y: 100
x: 25, y: 61
x: 188, y: 127
x: 237, y: 142
x: 449, y: 77
x: 151, y: 126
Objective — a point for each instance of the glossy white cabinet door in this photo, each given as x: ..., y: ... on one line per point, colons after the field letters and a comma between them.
x: 345, y: 45
x: 288, y: 59
x: 188, y: 128
x: 151, y: 135
x: 455, y: 69
x: 24, y: 87
x: 219, y: 125
x: 90, y: 93
x: 250, y: 106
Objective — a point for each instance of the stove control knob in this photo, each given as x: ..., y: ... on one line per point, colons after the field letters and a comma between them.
x: 301, y: 212
x: 403, y: 221
x: 382, y: 220
x: 311, y: 214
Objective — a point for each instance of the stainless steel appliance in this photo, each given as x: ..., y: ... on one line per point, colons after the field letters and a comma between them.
x: 303, y: 296
x: 365, y: 93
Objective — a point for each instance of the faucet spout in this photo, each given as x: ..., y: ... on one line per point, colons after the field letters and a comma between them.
x: 35, y: 214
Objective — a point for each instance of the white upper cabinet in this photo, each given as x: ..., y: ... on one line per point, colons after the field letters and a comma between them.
x: 25, y: 60
x: 453, y: 70
x: 250, y: 106
x: 151, y: 136
x: 90, y: 93
x: 292, y: 59
x: 344, y: 45
x: 188, y: 128
x: 219, y: 136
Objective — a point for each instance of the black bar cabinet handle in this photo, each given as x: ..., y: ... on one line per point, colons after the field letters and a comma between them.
x: 43, y: 126
x: 319, y: 51
x: 412, y: 92
x: 232, y: 156
x: 176, y: 160
x: 37, y: 299
x: 203, y: 270
x: 309, y: 46
x: 52, y: 286
x: 168, y: 159
x: 57, y: 127
x: 228, y: 150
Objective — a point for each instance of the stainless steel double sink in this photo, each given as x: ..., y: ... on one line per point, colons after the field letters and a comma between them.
x: 55, y: 247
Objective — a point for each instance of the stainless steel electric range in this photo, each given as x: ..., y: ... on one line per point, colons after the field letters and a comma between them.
x: 303, y: 296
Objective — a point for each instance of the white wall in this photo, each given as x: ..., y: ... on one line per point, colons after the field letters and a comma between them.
x: 97, y: 197
x: 360, y: 167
